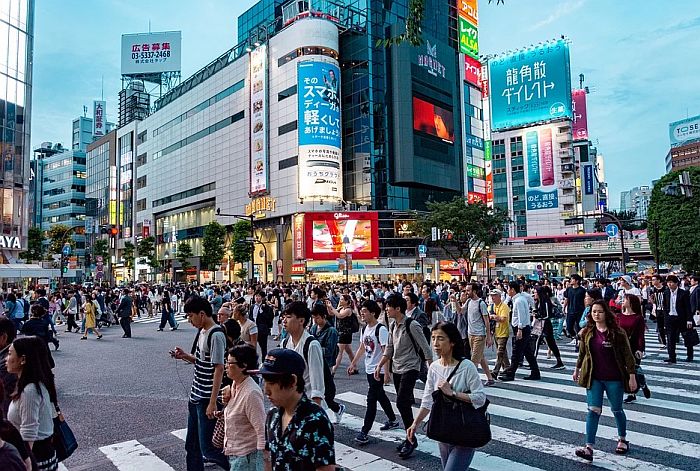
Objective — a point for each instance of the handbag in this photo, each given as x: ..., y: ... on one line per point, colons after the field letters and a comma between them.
x: 457, y: 422
x: 354, y: 323
x: 63, y: 439
x: 217, y: 439
x: 537, y: 327
x: 690, y: 338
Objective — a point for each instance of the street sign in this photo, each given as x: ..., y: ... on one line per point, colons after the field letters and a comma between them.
x: 66, y: 249
x: 612, y: 230
x: 434, y: 234
x: 422, y: 255
x: 573, y: 221
x: 99, y: 259
x: 422, y: 249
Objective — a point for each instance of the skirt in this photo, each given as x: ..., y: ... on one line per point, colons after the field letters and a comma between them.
x: 45, y: 455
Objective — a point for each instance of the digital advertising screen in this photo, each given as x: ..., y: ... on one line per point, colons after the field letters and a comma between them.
x: 433, y: 120
x: 329, y: 235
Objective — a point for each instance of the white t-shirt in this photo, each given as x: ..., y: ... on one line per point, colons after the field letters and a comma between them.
x: 373, y: 352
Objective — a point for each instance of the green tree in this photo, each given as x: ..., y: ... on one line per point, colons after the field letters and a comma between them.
x: 212, y: 245
x: 58, y: 235
x: 35, y: 245
x: 184, y: 253
x: 147, y: 253
x: 678, y: 220
x: 129, y: 256
x: 242, y: 273
x: 466, y: 228
x: 100, y: 249
x: 241, y: 250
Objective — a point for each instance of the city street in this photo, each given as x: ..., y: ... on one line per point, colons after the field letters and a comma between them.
x: 126, y: 401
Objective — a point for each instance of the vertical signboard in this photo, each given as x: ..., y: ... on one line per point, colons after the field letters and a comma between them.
x: 298, y: 236
x: 472, y: 71
x: 580, y: 124
x: 468, y: 38
x: 98, y: 118
x: 489, y: 172
x: 588, y: 179
x: 469, y: 10
x: 320, y: 155
x: 541, y: 190
x: 259, y: 165
x: 530, y: 85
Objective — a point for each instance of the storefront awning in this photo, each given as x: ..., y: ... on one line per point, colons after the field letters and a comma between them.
x: 333, y: 266
x: 24, y: 270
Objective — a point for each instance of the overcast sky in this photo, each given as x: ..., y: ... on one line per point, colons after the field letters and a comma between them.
x: 640, y: 60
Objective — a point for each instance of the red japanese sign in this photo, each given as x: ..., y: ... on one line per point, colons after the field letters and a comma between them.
x: 298, y: 237
x: 474, y: 197
x: 472, y: 71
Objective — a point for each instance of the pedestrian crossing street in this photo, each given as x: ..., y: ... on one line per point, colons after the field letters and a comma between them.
x: 536, y: 425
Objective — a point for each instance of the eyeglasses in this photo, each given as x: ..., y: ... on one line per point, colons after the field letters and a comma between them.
x: 229, y: 363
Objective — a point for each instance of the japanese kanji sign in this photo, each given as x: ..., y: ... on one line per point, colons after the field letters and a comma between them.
x: 468, y: 38
x: 580, y: 115
x: 320, y: 154
x: 151, y: 53
x: 99, y: 124
x: 531, y: 85
x: 541, y: 189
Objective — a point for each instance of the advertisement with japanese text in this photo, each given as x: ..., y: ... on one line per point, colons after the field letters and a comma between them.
x: 151, y: 53
x: 99, y: 125
x: 541, y: 190
x: 685, y: 130
x: 580, y: 124
x: 468, y: 38
x: 433, y: 120
x: 259, y: 165
x: 469, y: 10
x: 320, y: 154
x: 489, y: 173
x: 472, y: 71
x: 531, y: 85
x: 330, y: 235
x: 298, y: 237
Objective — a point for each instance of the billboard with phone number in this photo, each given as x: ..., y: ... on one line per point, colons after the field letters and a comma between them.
x: 329, y: 235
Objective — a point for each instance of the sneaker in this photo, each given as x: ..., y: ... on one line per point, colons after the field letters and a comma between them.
x: 489, y: 383
x: 646, y: 391
x: 339, y: 414
x: 389, y: 425
x: 558, y: 366
x: 630, y: 398
x: 400, y: 446
x: 362, y: 438
x: 408, y: 448
x: 573, y: 342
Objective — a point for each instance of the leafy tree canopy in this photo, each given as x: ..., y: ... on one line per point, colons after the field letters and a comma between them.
x: 35, y: 245
x: 58, y: 235
x: 184, y: 253
x: 241, y: 250
x: 212, y: 245
x: 100, y: 248
x: 678, y: 220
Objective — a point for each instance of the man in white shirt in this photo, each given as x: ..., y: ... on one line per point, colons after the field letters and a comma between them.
x: 521, y: 341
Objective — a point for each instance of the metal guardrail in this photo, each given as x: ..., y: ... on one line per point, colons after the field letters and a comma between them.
x: 600, y: 250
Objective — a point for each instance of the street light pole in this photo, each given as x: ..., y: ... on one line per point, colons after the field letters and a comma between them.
x: 346, y: 241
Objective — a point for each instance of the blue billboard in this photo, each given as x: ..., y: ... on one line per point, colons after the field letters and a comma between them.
x: 530, y: 86
x: 319, y: 103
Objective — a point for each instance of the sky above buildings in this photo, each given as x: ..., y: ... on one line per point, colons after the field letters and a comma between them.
x: 639, y: 60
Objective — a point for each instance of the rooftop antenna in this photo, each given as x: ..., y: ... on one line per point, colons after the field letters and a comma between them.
x: 85, y: 109
x: 149, y: 25
x: 103, y: 88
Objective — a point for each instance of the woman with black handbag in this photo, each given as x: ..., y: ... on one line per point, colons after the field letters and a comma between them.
x: 452, y: 382
x: 33, y: 401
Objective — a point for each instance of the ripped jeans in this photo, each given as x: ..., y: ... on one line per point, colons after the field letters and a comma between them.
x: 594, y: 397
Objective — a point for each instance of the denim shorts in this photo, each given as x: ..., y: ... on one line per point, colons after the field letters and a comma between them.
x: 250, y: 462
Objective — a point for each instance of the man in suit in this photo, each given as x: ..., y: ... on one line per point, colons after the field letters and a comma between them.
x: 124, y: 313
x: 695, y: 295
x: 678, y: 317
x: 261, y: 313
x: 413, y: 311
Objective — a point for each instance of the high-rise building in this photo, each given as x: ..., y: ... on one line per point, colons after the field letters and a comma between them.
x: 636, y: 200
x: 16, y: 50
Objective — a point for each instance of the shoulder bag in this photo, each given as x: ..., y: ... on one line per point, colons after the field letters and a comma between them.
x: 63, y: 439
x: 449, y: 415
x: 690, y: 338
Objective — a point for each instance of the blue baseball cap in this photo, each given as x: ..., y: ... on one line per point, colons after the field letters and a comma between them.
x: 281, y: 361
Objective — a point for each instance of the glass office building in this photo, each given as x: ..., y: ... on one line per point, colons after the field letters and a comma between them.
x: 16, y: 46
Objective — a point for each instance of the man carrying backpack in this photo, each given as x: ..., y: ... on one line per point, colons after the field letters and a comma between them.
x: 405, y: 345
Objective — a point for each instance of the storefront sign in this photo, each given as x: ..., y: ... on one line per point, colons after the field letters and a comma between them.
x: 10, y: 242
x: 430, y: 61
x: 98, y: 120
x: 298, y: 237
x: 261, y: 205
x: 298, y: 269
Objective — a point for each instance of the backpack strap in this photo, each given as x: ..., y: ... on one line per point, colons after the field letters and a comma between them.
x: 455, y: 370
x: 410, y: 335
x: 307, y: 344
x: 211, y: 332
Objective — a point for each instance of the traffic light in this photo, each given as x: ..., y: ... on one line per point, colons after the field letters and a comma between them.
x: 113, y: 231
x: 417, y: 265
x: 64, y: 264
x: 88, y: 259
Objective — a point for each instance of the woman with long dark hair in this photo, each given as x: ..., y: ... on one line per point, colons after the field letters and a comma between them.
x: 633, y: 323
x: 32, y: 408
x: 465, y: 385
x: 605, y: 365
x: 343, y: 325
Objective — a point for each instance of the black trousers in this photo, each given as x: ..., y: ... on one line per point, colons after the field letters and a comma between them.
x: 70, y: 322
x: 572, y: 327
x: 548, y: 338
x: 523, y: 348
x: 376, y: 394
x: 262, y: 341
x: 674, y: 327
x: 329, y: 388
x: 125, y: 322
x: 661, y: 326
x: 404, y: 383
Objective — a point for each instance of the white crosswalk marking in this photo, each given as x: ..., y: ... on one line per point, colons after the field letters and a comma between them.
x: 359, y: 460
x: 132, y: 455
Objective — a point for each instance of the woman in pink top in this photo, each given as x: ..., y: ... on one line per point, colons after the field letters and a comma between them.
x: 244, y: 415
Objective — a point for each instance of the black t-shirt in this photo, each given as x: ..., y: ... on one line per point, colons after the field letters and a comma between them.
x: 10, y: 459
x: 575, y: 297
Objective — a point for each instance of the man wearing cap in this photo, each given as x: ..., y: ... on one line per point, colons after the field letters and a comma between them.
x: 626, y: 287
x: 298, y: 431
x: 500, y: 312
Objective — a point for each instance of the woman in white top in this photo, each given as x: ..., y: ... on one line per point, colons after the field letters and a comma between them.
x: 249, y: 330
x: 465, y: 386
x: 32, y: 408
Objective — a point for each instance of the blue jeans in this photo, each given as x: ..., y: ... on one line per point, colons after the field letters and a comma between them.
x: 594, y: 396
x: 200, y: 430
x: 250, y: 462
x: 455, y: 458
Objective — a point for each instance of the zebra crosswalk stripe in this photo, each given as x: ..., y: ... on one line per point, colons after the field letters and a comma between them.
x: 132, y: 455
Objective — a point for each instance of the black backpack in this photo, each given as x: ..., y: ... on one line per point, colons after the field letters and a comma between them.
x: 211, y: 332
x: 376, y: 332
x: 423, y: 373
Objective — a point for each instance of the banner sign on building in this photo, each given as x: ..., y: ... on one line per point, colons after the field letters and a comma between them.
x: 298, y: 237
x: 472, y: 71
x: 475, y: 197
x: 531, y: 85
x: 580, y: 116
x: 330, y: 236
x: 469, y: 10
x: 588, y: 179
x: 259, y: 165
x: 468, y: 38
x: 98, y: 118
x: 489, y: 173
x: 151, y: 53
x: 685, y: 130
x: 541, y: 189
x: 475, y: 172
x: 320, y: 154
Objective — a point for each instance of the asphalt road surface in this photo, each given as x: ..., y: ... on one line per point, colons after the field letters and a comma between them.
x: 126, y: 401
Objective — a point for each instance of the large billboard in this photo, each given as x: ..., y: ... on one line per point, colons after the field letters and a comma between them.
x: 530, y: 86
x: 683, y: 131
x: 320, y: 155
x: 99, y: 125
x: 580, y: 124
x: 433, y: 120
x: 151, y: 53
x: 259, y: 164
x: 541, y: 190
x: 330, y: 235
x: 472, y: 71
x: 468, y: 22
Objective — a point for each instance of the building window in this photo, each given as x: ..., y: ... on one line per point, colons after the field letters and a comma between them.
x: 291, y: 91
x: 141, y: 205
x: 288, y: 163
x: 184, y: 194
x: 307, y: 51
x: 141, y: 182
x: 285, y: 128
x: 141, y: 160
x: 200, y: 134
